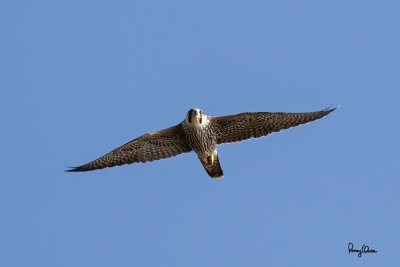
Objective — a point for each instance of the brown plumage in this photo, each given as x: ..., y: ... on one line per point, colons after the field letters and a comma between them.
x: 151, y: 146
x: 202, y: 134
x: 243, y: 126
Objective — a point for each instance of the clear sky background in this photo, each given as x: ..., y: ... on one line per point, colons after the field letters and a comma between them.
x: 80, y: 78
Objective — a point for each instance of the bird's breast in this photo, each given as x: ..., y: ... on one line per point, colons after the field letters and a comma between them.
x: 201, y: 139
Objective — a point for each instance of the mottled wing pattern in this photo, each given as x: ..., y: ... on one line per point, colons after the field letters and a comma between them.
x: 151, y: 146
x: 243, y: 126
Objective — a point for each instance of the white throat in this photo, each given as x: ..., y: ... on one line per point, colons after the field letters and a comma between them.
x: 196, y: 119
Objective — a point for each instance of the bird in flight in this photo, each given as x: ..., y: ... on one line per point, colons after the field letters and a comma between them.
x: 202, y: 134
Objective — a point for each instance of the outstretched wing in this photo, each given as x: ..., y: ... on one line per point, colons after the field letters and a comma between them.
x: 151, y: 146
x: 243, y: 126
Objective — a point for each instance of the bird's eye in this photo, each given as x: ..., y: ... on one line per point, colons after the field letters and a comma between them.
x: 189, y: 116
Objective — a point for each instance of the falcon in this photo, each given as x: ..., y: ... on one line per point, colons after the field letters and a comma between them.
x: 202, y: 134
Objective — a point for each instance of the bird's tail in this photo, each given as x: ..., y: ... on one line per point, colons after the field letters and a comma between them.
x: 212, y: 166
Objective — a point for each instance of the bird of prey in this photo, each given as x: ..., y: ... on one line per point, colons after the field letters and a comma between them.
x: 202, y: 134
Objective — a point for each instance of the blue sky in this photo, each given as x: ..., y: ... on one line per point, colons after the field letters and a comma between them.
x: 80, y: 78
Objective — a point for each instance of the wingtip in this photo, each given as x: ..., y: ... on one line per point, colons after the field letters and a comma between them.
x: 71, y: 169
x: 330, y: 109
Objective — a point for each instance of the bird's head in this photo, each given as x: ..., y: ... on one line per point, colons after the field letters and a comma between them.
x: 196, y: 117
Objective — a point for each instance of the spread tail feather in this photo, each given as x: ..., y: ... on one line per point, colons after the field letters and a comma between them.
x: 212, y: 166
